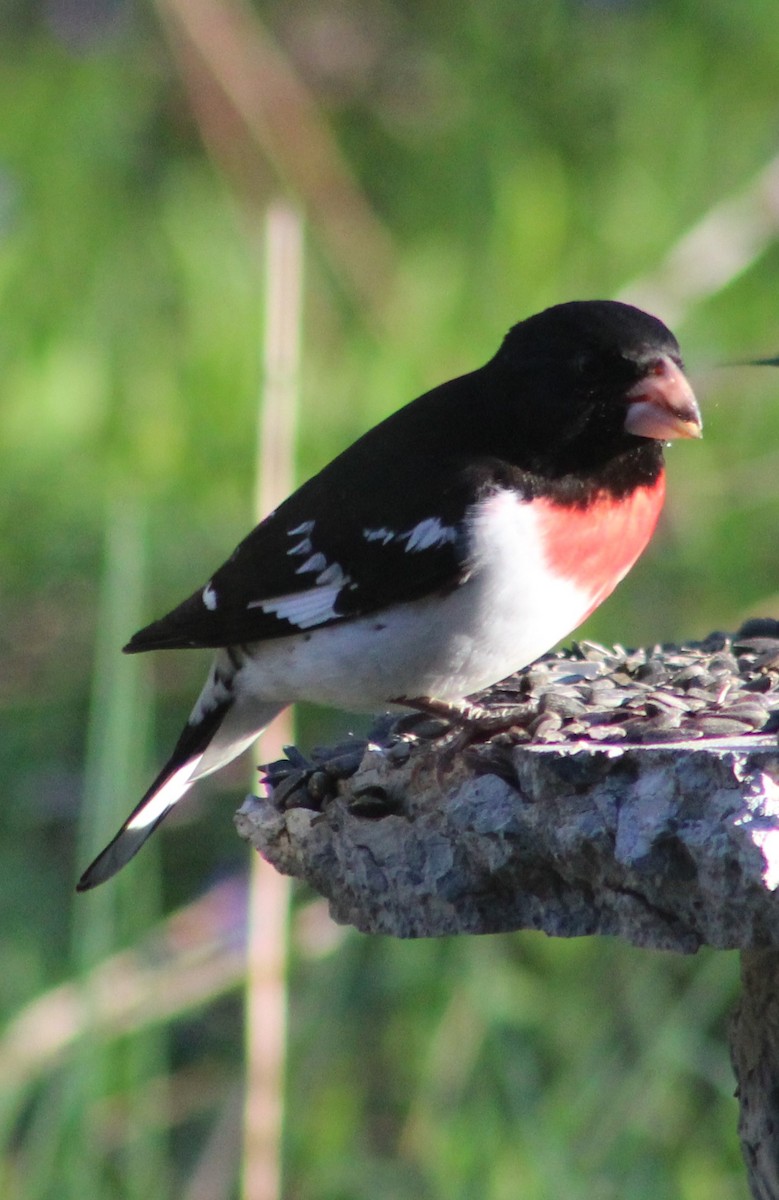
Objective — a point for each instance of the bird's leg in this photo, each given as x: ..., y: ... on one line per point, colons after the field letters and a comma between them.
x: 475, y: 718
x: 448, y: 710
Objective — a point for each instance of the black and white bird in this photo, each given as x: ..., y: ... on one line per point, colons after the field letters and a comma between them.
x: 450, y: 546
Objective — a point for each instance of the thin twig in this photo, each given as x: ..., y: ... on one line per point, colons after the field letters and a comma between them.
x: 225, y: 47
x: 266, y: 998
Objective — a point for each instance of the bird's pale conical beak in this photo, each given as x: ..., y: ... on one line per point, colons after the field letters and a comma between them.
x: 662, y: 405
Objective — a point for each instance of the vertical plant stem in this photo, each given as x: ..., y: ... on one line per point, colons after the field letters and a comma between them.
x: 266, y: 999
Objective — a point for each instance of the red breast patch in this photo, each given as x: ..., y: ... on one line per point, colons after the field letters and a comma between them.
x: 596, y: 546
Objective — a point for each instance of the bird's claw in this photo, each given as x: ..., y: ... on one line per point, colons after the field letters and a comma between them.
x: 469, y: 723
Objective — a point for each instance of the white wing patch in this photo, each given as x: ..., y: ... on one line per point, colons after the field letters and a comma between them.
x: 210, y: 598
x: 425, y: 536
x: 317, y: 562
x: 304, y: 609
x: 304, y: 545
x: 332, y: 574
x: 317, y: 604
x: 378, y: 535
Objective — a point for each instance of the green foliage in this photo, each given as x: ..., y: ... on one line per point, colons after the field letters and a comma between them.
x: 518, y: 154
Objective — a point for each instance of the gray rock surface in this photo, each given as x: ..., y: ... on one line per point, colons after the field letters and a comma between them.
x: 670, y: 846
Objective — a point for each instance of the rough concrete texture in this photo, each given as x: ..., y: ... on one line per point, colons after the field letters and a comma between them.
x: 670, y: 846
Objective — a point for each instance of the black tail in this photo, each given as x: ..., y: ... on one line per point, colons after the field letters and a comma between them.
x: 170, y: 785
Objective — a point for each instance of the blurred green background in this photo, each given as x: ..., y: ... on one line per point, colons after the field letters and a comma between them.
x: 492, y: 158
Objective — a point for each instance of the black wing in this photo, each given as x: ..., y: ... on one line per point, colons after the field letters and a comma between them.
x: 322, y: 557
x: 382, y: 524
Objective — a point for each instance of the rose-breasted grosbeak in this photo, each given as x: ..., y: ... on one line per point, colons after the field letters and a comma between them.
x: 448, y: 547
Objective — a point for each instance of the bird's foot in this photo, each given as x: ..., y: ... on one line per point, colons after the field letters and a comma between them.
x: 470, y: 722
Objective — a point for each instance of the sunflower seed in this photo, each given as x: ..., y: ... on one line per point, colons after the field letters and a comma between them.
x: 717, y: 726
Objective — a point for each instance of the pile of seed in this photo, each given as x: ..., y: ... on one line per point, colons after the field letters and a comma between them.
x: 724, y: 686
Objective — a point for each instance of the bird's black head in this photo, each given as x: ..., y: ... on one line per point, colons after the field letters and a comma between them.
x: 595, y: 379
x: 593, y: 330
